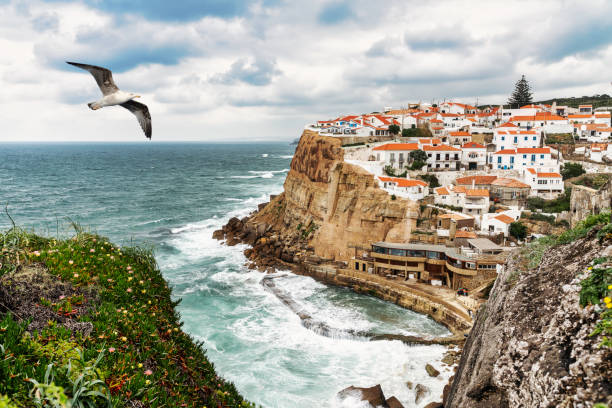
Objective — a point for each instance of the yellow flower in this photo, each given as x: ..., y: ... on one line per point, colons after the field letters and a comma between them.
x: 139, y: 365
x: 609, y: 305
x: 175, y: 329
x: 129, y: 278
x: 609, y: 286
x: 123, y: 338
x: 144, y: 291
x: 147, y: 382
x: 125, y: 312
x: 607, y: 299
x: 150, y: 301
x: 589, y: 268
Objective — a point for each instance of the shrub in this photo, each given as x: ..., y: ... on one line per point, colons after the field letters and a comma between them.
x: 518, y: 230
x: 557, y: 205
x: 431, y: 179
x: 571, y: 170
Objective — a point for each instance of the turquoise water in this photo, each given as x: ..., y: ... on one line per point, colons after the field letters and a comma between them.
x: 173, y: 196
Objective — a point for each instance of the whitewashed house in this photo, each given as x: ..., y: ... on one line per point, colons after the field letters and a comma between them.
x: 521, y: 158
x: 512, y: 138
x: 474, y: 202
x: 442, y: 157
x: 396, y: 155
x: 473, y: 156
x: 546, y: 185
x: 412, y: 189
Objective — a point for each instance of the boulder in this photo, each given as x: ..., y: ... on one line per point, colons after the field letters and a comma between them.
x: 394, y: 403
x: 374, y: 395
x: 409, y: 384
x: 431, y: 371
x: 421, y: 392
x: 218, y: 234
x: 434, y: 405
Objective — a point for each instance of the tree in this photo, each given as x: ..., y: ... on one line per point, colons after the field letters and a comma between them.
x: 394, y: 129
x: 570, y: 170
x: 417, y: 165
x: 431, y: 179
x: 518, y: 230
x: 409, y: 132
x: 418, y: 155
x: 522, y: 94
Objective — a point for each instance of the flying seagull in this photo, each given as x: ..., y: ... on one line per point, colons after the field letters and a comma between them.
x: 112, y: 95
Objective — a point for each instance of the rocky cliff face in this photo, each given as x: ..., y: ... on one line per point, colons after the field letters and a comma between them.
x: 530, y: 345
x: 328, y: 208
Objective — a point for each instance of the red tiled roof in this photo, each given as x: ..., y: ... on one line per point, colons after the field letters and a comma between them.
x: 506, y: 151
x: 459, y: 133
x: 465, y: 234
x: 549, y: 175
x: 508, y: 124
x: 478, y: 180
x: 477, y: 192
x: 545, y: 150
x: 397, y: 146
x: 442, y: 191
x: 440, y: 148
x: 504, y: 218
x: 507, y: 182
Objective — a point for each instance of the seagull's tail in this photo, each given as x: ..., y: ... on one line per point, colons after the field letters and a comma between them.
x: 94, y: 105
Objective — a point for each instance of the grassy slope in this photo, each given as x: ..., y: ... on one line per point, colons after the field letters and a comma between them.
x: 147, y: 360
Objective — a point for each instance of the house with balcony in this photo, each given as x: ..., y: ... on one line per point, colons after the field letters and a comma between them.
x: 521, y: 158
x: 459, y: 138
x: 442, y: 157
x: 396, y: 155
x: 546, y: 185
x: 473, y: 156
x: 433, y: 264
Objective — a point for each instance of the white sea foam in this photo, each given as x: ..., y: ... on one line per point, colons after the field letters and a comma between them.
x: 264, y: 155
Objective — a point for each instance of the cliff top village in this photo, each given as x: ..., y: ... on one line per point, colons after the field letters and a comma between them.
x: 486, y: 179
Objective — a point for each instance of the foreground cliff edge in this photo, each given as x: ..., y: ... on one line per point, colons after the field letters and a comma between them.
x: 86, y: 323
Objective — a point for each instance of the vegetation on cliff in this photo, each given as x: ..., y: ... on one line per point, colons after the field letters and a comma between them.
x: 86, y: 323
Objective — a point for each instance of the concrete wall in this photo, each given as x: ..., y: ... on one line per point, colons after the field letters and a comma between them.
x: 585, y: 201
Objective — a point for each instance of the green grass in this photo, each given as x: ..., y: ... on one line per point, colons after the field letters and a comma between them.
x: 136, y: 328
x: 594, y: 181
x: 557, y: 205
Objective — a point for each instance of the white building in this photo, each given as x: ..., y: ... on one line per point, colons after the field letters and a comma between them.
x: 546, y: 185
x: 474, y: 202
x: 442, y: 157
x: 497, y: 223
x: 511, y: 138
x: 521, y: 158
x: 396, y: 155
x: 459, y: 138
x: 473, y: 156
x: 412, y: 189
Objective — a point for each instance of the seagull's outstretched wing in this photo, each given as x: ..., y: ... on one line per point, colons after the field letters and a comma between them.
x: 103, y: 77
x: 142, y: 114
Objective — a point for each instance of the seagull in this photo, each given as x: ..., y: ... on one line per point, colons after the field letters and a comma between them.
x: 112, y: 95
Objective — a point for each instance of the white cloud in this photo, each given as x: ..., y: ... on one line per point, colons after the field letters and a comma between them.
x: 272, y: 70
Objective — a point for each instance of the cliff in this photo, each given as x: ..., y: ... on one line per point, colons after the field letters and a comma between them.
x: 84, y: 322
x: 328, y: 209
x: 531, y: 345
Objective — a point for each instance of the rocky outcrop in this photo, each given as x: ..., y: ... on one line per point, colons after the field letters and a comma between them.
x: 530, y: 344
x: 328, y: 210
x: 585, y: 201
x: 373, y: 395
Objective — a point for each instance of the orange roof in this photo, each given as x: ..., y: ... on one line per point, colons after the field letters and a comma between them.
x: 533, y: 150
x: 595, y: 126
x: 506, y: 151
x: 531, y: 170
x: 458, y: 189
x: 517, y: 132
x: 459, y: 134
x: 455, y: 216
x: 507, y: 182
x: 582, y: 116
x: 549, y: 175
x: 430, y: 141
x: 477, y: 193
x: 437, y: 127
x: 435, y: 121
x: 602, y: 115
x: 504, y: 218
x: 441, y: 191
x: 473, y: 145
x: 465, y: 234
x: 538, y: 116
x: 478, y: 180
x: 508, y: 124
x: 440, y: 148
x: 401, y: 182
x: 397, y: 146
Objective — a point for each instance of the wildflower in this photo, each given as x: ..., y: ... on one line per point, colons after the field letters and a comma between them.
x: 150, y: 301
x: 71, y: 262
x: 109, y: 280
x: 92, y: 250
x: 129, y: 290
x: 148, y: 372
x: 76, y: 275
x: 610, y: 287
x: 147, y: 382
x: 144, y: 291
x: 607, y: 299
x: 62, y: 297
x: 609, y: 305
x: 37, y: 253
x: 589, y: 268
x: 124, y: 338
x: 175, y: 329
x: 125, y: 312
x: 139, y: 365
x: 153, y: 314
x: 111, y: 349
x: 129, y: 278
x: 141, y: 282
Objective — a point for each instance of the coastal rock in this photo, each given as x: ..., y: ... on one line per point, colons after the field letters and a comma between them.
x: 431, y: 370
x: 531, y: 345
x: 421, y: 392
x: 434, y: 405
x: 374, y: 395
x: 394, y: 403
x: 218, y: 234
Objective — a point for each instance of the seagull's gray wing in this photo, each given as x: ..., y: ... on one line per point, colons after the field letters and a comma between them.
x: 103, y: 77
x: 142, y: 114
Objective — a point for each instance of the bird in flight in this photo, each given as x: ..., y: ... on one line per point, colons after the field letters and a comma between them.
x: 112, y: 95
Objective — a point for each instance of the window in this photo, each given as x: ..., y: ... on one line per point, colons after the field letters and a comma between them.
x: 515, y: 139
x: 433, y: 255
x: 456, y: 156
x: 429, y: 155
x: 533, y: 157
x: 392, y: 157
x: 446, y: 165
x: 526, y: 138
x: 541, y: 156
x: 503, y: 138
x: 511, y: 159
x: 438, y: 156
x: 438, y: 166
x: 446, y: 156
x: 397, y: 252
x: 379, y: 250
x: 377, y: 156
x: 524, y: 156
x: 357, y: 265
x: 535, y: 138
x: 499, y: 159
x: 401, y: 157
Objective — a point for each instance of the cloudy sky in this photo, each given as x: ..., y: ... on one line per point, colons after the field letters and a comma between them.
x: 220, y: 70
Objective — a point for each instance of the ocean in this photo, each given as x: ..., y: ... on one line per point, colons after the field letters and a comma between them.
x: 172, y: 197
